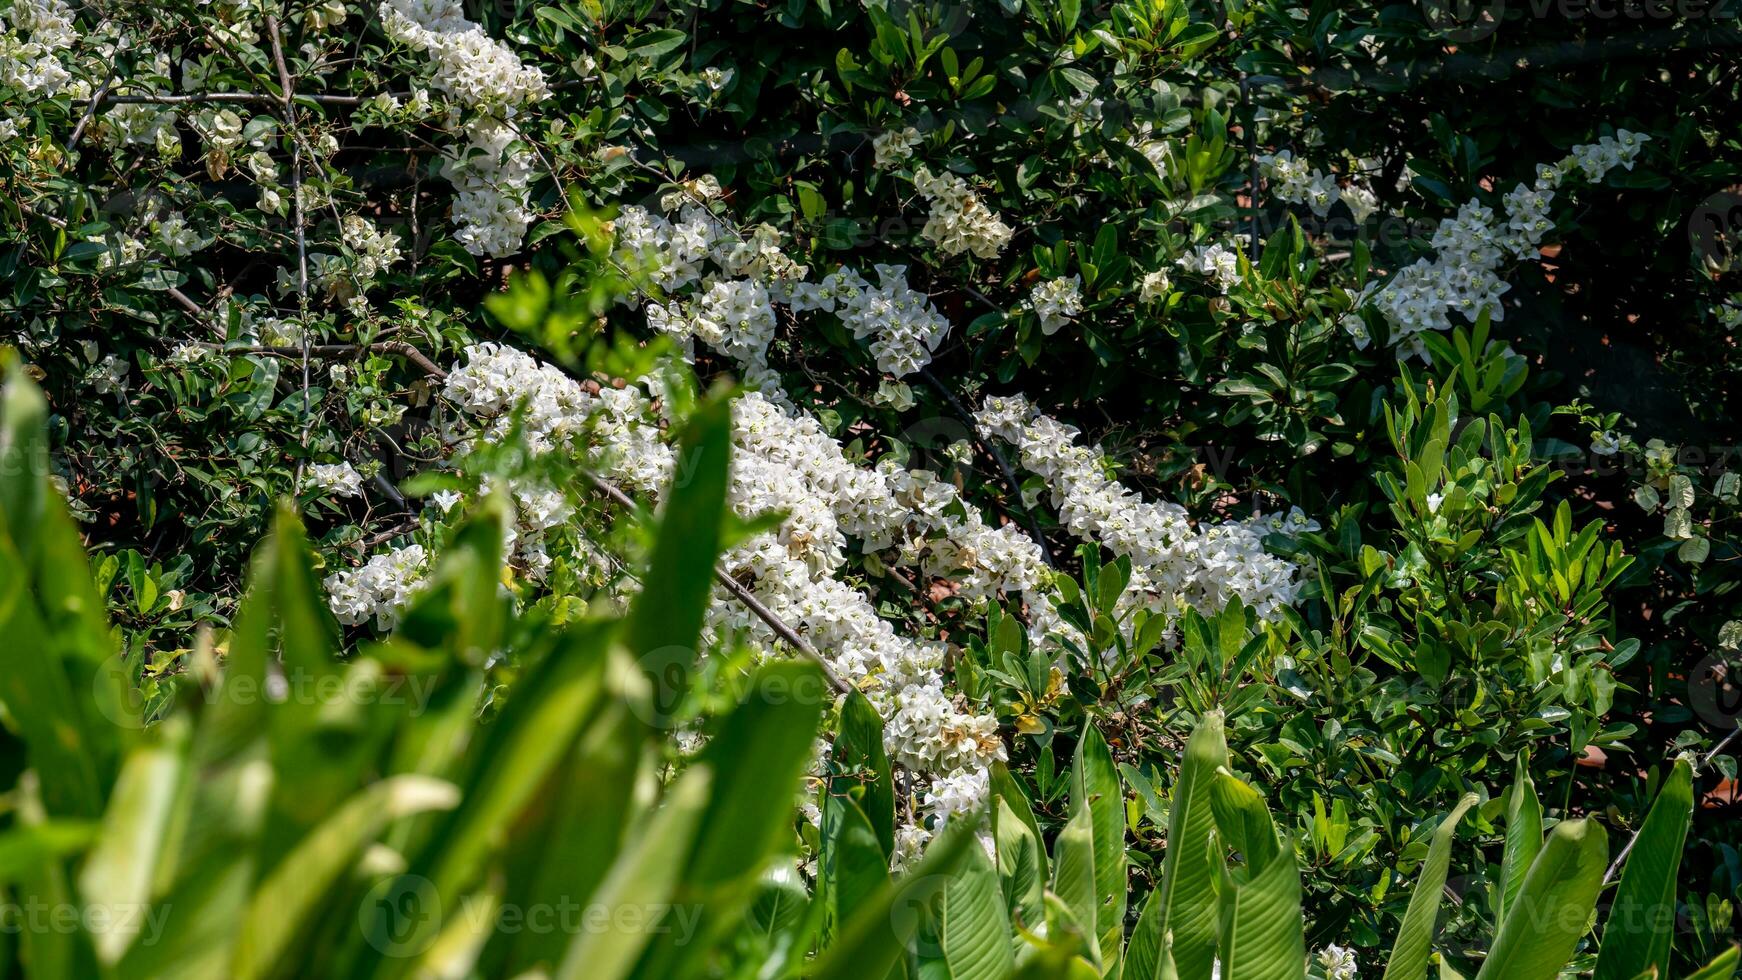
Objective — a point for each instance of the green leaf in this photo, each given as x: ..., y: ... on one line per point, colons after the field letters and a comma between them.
x: 1553, y: 908
x: 292, y: 894
x: 975, y: 931
x: 1721, y: 968
x: 504, y: 772
x: 1188, y: 906
x: 1523, y: 836
x: 594, y: 814
x: 666, y: 617
x: 655, y: 43
x: 1637, y: 933
x: 1149, y: 955
x: 1409, y: 953
x: 1261, y: 923
x: 860, y: 763
x: 880, y: 931
x: 1243, y: 821
x: 780, y: 917
x: 853, y: 865
x: 758, y: 755
x: 1020, y: 860
x: 121, y: 869
x: 1073, y: 876
x: 642, y: 878
x: 57, y: 652
x: 1095, y: 786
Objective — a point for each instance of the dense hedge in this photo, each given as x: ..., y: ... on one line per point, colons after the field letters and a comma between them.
x: 1359, y: 370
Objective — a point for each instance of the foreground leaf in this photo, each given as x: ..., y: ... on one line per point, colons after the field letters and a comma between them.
x: 1409, y: 954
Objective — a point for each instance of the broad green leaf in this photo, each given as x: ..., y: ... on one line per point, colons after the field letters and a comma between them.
x: 758, y: 755
x: 594, y: 814
x: 1073, y: 876
x: 506, y: 769
x: 1188, y: 906
x: 879, y: 932
x: 46, y: 696
x: 1006, y: 786
x: 975, y: 930
x: 118, y: 874
x: 1637, y: 932
x: 1523, y: 836
x: 853, y: 865
x: 642, y: 878
x: 1095, y: 786
x: 1721, y: 968
x: 1149, y: 955
x: 666, y: 617
x: 1409, y: 952
x: 286, y: 899
x: 1019, y: 864
x: 859, y: 765
x: 781, y: 917
x: 1553, y: 908
x: 1262, y: 935
x: 1243, y: 821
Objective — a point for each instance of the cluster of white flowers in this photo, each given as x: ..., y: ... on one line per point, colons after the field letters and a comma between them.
x: 142, y: 124
x: 959, y: 221
x: 377, y: 250
x: 1293, y: 181
x: 380, y: 590
x: 1176, y: 563
x: 1056, y: 302
x: 893, y: 146
x: 221, y: 131
x: 737, y: 316
x: 470, y: 65
x: 1338, y: 963
x: 786, y: 461
x: 496, y: 379
x: 1464, y: 275
x: 175, y: 236
x: 37, y: 31
x: 109, y: 375
x: 1215, y: 262
x: 1154, y: 286
x: 337, y: 479
x: 669, y: 253
x: 490, y: 171
x: 734, y: 316
x: 903, y: 326
x: 492, y: 177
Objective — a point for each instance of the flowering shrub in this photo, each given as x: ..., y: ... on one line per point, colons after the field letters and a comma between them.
x: 1099, y: 367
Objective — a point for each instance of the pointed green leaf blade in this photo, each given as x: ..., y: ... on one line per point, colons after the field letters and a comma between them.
x: 1636, y: 936
x: 1409, y: 954
x: 1553, y: 907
